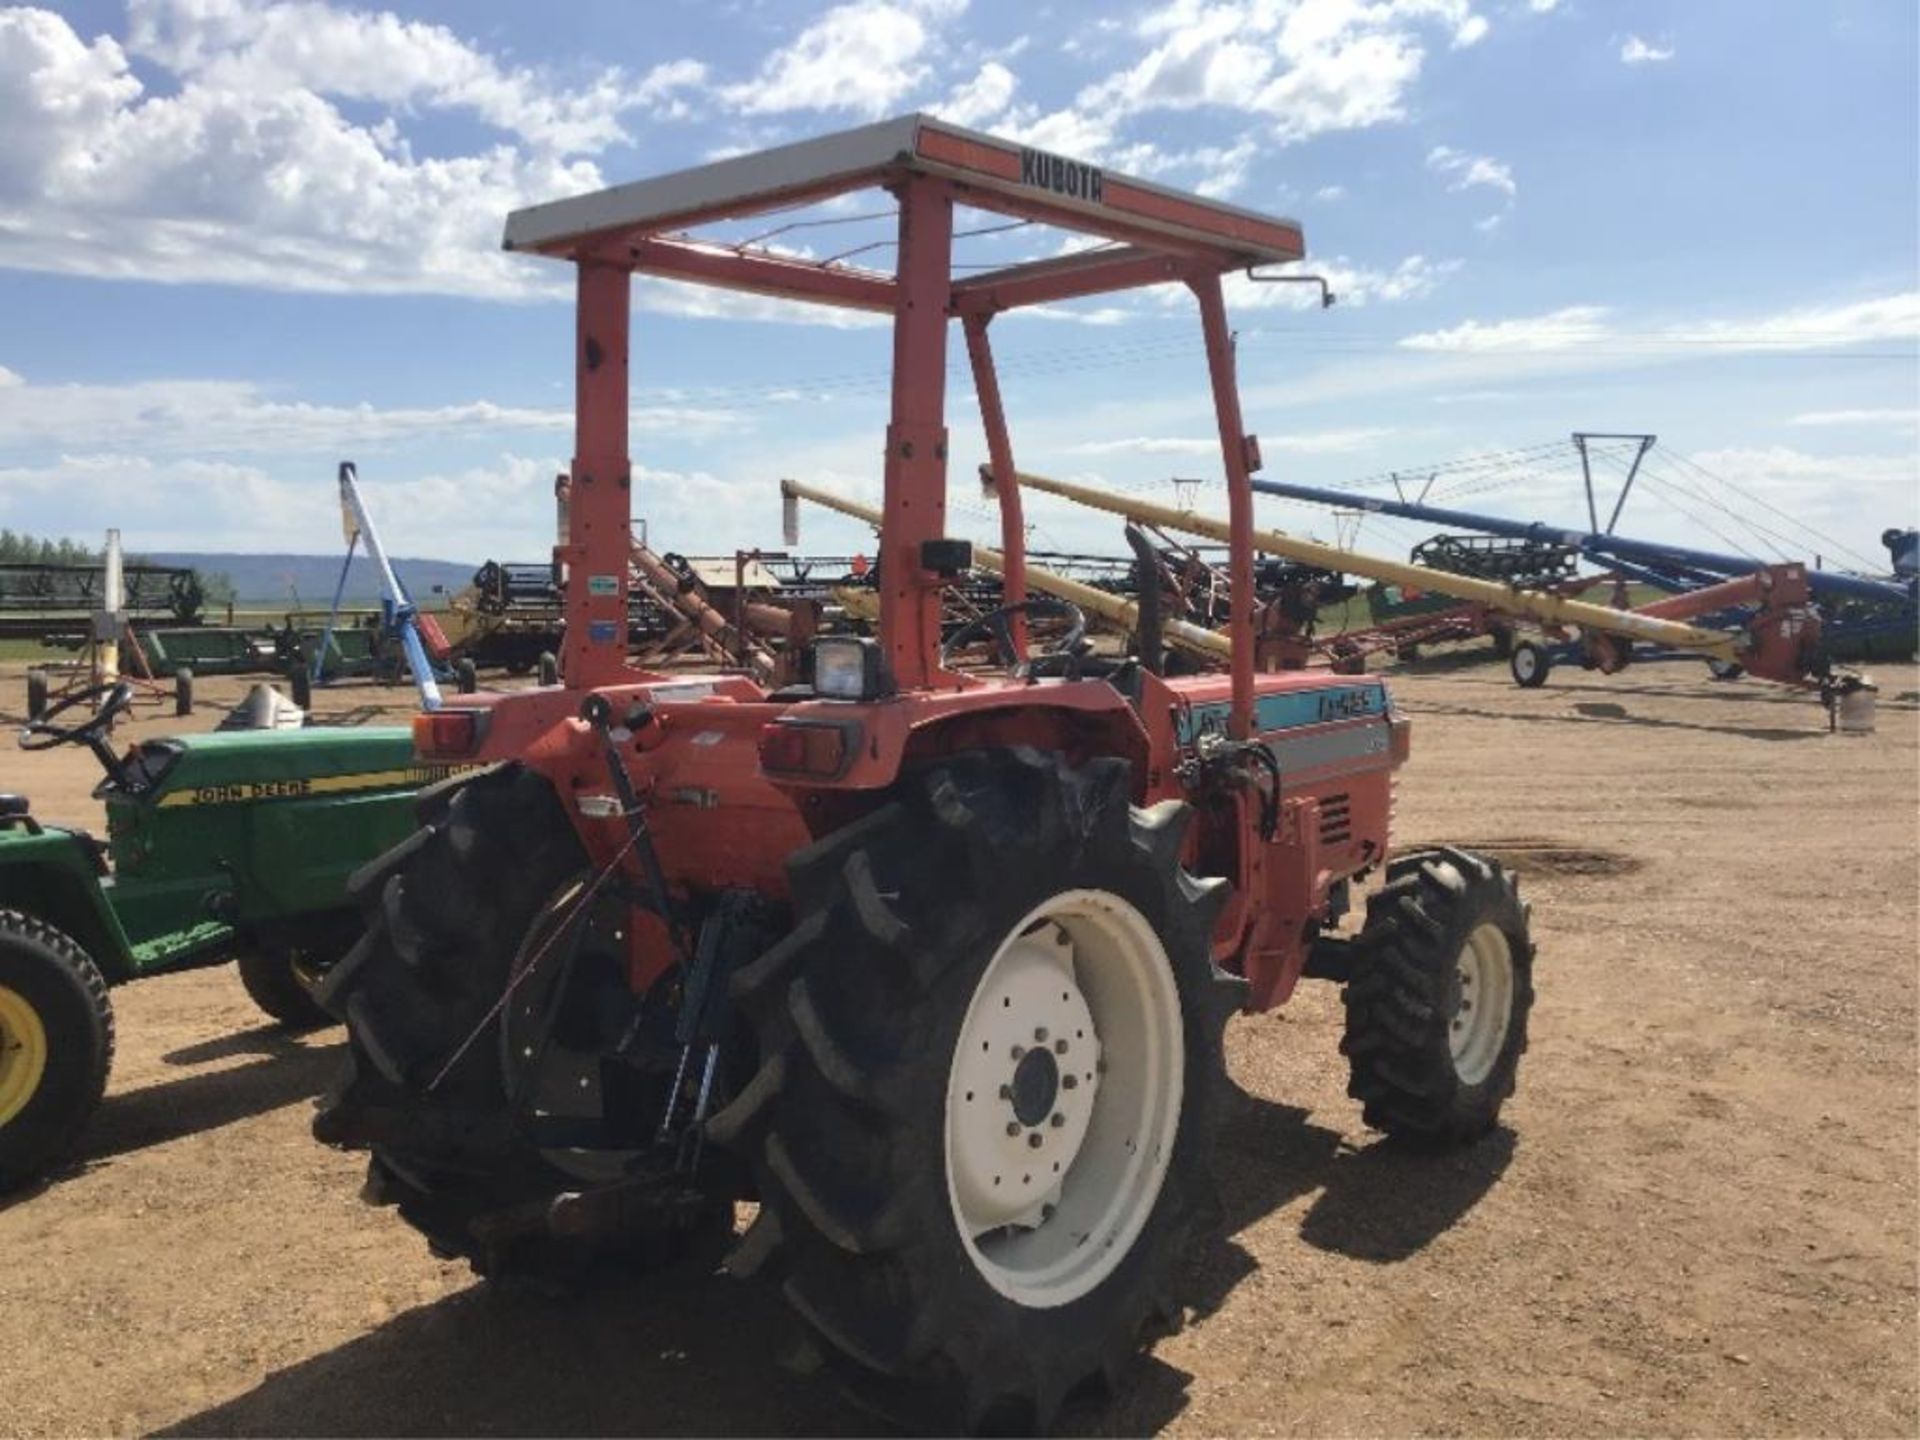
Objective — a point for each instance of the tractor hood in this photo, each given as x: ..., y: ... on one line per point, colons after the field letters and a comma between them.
x: 247, y: 766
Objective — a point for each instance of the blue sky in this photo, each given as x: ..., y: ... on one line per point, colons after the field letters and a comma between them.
x: 240, y: 241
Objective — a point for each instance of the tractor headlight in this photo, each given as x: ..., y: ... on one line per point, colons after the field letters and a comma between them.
x: 846, y: 667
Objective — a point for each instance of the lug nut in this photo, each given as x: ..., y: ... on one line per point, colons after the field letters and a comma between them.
x: 1018, y: 1051
x: 1006, y: 1092
x: 1040, y: 1034
x: 1059, y: 1047
x: 1069, y: 1082
x: 1034, y: 1141
x: 1058, y: 1120
x: 1013, y: 1127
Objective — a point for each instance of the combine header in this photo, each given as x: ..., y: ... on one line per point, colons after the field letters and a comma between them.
x: 933, y: 964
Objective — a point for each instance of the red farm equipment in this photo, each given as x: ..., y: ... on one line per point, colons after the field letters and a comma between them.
x: 932, y: 965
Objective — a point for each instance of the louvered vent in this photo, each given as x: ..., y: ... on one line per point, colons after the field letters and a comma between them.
x: 1336, y: 819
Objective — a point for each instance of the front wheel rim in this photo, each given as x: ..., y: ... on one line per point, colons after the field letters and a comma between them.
x: 23, y: 1053
x: 1064, y: 1098
x: 1483, y: 1006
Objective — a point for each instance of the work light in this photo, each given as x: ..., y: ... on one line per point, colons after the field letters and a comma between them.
x: 847, y: 667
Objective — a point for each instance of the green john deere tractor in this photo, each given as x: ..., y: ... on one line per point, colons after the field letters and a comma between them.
x: 219, y: 847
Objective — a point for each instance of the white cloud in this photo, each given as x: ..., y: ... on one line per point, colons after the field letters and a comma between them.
x: 1562, y: 329
x: 862, y: 57
x: 1487, y: 224
x: 1327, y: 194
x: 1354, y: 285
x: 1323, y: 442
x: 211, y: 417
x: 1464, y: 171
x: 1304, y: 69
x: 982, y: 99
x: 261, y: 49
x: 1813, y: 327
x: 1899, y: 417
x: 265, y: 184
x: 1635, y: 51
x: 1542, y: 7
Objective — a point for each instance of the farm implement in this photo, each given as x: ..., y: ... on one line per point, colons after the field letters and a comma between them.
x: 932, y: 964
x: 1777, y: 641
x: 219, y: 847
x: 1857, y: 616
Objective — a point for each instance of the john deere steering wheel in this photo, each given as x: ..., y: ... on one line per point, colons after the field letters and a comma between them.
x: 43, y: 734
x: 997, y: 626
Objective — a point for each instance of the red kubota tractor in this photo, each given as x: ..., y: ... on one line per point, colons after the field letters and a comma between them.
x: 931, y: 964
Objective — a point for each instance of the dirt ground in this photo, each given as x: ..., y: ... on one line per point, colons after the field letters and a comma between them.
x: 1701, y: 1220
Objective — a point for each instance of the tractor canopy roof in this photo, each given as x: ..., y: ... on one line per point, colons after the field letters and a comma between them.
x: 1143, y: 233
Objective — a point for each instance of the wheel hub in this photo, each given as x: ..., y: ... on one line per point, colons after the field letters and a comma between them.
x: 1055, y: 1154
x: 1483, y: 1004
x: 23, y: 1053
x: 1036, y: 1084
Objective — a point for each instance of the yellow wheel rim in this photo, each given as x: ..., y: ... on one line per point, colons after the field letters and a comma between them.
x: 23, y: 1053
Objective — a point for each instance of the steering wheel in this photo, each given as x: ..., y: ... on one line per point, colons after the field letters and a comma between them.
x: 43, y: 734
x: 996, y: 626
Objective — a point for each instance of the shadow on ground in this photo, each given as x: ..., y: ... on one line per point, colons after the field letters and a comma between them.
x: 684, y: 1353
x: 156, y: 1114
x: 1607, y: 712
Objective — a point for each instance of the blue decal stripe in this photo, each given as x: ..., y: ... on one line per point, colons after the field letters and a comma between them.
x: 1290, y: 709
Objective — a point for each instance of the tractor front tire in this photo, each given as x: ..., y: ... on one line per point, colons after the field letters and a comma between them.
x: 1438, y: 997
x: 56, y: 1046
x: 982, y: 1126
x: 281, y: 980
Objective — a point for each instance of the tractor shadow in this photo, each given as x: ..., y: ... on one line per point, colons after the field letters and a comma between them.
x: 683, y: 1352
x: 155, y: 1114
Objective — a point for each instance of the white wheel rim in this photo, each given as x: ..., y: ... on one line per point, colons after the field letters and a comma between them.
x: 1484, y: 1003
x: 1049, y: 1197
x: 1526, y: 660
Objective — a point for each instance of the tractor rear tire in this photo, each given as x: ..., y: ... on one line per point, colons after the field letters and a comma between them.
x: 449, y: 911
x: 1530, y: 664
x: 885, y: 1147
x: 1438, y: 997
x: 281, y: 981
x: 183, y: 690
x: 56, y: 1046
x: 36, y: 694
x: 549, y: 667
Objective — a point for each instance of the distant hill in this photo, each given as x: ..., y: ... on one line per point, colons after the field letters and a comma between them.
x: 268, y: 580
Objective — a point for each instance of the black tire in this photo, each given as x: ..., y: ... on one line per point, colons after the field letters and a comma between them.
x: 300, y: 682
x: 1725, y: 669
x: 183, y: 690
x: 281, y: 981
x: 1502, y: 637
x: 1530, y: 664
x: 520, y: 665
x: 36, y: 694
x: 549, y: 667
x: 466, y: 675
x: 447, y: 912
x: 857, y: 1013
x: 43, y: 970
x: 1405, y: 990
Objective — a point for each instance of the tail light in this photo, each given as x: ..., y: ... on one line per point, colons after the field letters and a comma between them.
x: 800, y: 747
x: 448, y: 734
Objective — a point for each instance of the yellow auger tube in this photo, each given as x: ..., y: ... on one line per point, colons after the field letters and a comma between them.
x: 1553, y: 609
x: 1110, y: 608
